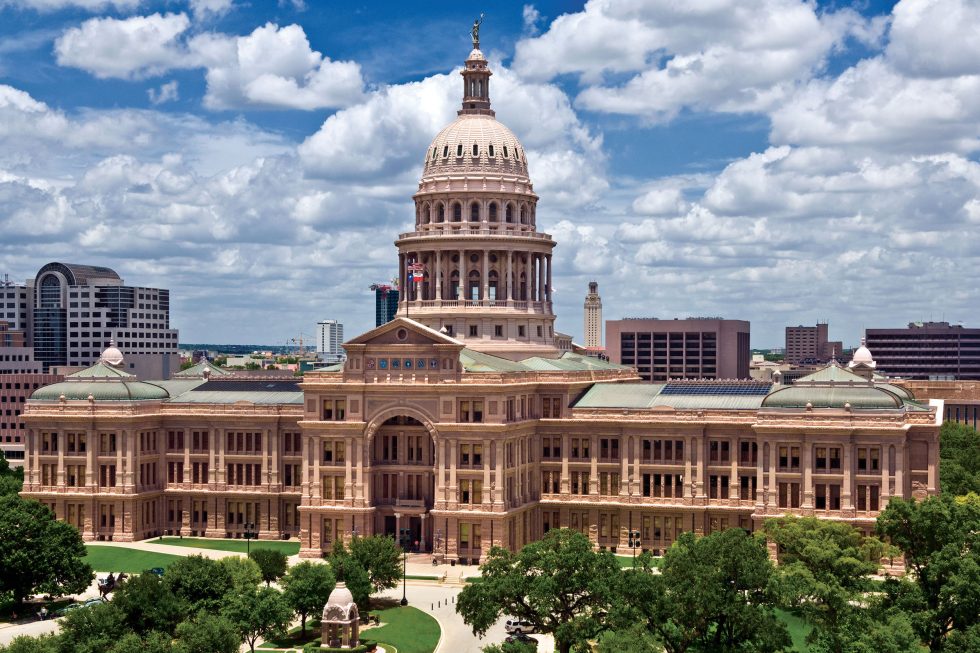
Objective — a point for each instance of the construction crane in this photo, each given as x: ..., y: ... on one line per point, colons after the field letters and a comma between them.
x: 299, y: 341
x: 383, y: 287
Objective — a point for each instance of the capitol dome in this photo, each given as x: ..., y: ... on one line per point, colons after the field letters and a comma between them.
x: 862, y: 356
x: 476, y: 143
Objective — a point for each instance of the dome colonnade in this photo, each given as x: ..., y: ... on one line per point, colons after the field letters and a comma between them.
x: 481, y: 269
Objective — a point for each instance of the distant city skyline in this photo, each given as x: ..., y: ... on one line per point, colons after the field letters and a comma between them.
x: 256, y: 158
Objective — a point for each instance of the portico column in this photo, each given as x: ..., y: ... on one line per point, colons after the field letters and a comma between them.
x: 772, y: 487
x: 401, y: 279
x: 845, y: 499
x: 527, y: 276
x: 510, y: 274
x: 540, y: 277
x: 438, y: 274
x: 548, y: 293
x: 462, y: 275
x: 486, y: 472
x: 485, y: 275
x: 499, y: 473
x: 348, y: 471
x: 594, y: 467
x: 565, y: 485
x: 807, y: 474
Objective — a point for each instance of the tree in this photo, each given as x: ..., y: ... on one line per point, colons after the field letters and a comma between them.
x: 512, y: 647
x: 823, y: 574
x: 348, y: 570
x: 25, y: 644
x: 38, y: 553
x: 148, y: 605
x: 272, y: 563
x: 940, y: 538
x: 381, y: 559
x: 93, y: 629
x: 712, y: 595
x: 152, y: 643
x: 245, y: 573
x: 199, y: 581
x: 559, y: 584
x: 257, y: 613
x: 959, y: 459
x: 307, y: 587
x: 207, y: 633
x: 11, y: 480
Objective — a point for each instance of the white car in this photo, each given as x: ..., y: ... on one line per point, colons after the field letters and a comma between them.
x: 513, y: 626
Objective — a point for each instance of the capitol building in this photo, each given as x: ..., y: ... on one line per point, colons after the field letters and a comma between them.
x: 468, y: 419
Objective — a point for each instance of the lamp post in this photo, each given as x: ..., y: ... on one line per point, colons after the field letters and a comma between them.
x: 249, y: 534
x: 634, y: 543
x: 404, y: 538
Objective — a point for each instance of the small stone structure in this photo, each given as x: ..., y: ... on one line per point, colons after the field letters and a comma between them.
x: 341, y: 621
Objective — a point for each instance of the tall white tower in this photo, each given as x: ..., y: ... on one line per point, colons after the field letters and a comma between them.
x: 593, y: 316
x: 329, y: 336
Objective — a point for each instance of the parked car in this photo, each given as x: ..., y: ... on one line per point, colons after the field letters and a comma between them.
x: 91, y: 602
x: 521, y: 638
x: 156, y: 571
x: 61, y: 612
x: 518, y: 626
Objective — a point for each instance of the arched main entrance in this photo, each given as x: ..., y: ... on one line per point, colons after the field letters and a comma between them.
x: 402, y: 462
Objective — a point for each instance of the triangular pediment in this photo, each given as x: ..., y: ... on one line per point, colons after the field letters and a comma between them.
x: 403, y: 331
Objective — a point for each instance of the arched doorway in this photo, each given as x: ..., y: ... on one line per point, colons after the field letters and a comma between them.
x: 402, y: 463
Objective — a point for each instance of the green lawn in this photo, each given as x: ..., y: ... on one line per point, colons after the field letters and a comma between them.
x: 408, y: 629
x: 131, y: 561
x: 294, y: 640
x: 626, y: 562
x: 798, y: 630
x: 238, y: 546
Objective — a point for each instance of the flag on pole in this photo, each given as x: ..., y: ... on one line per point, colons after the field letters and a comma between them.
x: 417, y: 272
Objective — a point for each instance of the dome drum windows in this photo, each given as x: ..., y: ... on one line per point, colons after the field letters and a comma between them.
x: 457, y: 212
x: 445, y: 151
x: 441, y: 213
x: 459, y: 150
x: 474, y: 212
x: 490, y: 150
x: 476, y: 150
x: 493, y: 207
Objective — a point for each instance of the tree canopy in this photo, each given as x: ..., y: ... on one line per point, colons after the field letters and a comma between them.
x: 39, y: 554
x: 712, y: 594
x: 306, y: 588
x: 347, y: 569
x: 824, y: 574
x: 559, y: 584
x: 272, y: 563
x: 380, y: 557
x: 257, y: 613
x: 199, y: 581
x: 148, y: 605
x: 940, y: 538
x: 959, y: 459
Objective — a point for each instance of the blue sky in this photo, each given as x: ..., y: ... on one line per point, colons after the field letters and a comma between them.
x: 768, y: 160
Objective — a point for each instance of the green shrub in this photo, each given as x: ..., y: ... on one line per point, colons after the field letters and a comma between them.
x: 366, y: 646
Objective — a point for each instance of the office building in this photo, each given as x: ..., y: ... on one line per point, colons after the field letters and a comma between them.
x: 385, y: 303
x: 78, y: 310
x: 593, y: 317
x: 469, y: 435
x: 808, y: 345
x: 927, y: 351
x: 695, y: 348
x: 329, y: 338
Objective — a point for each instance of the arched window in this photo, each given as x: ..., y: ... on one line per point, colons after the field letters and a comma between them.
x: 494, y: 284
x: 445, y: 151
x: 479, y: 87
x: 523, y: 215
x: 476, y: 150
x: 441, y: 215
x: 457, y: 212
x: 433, y: 154
x: 509, y: 214
x: 490, y: 150
x: 454, y: 285
x: 459, y: 150
x: 493, y: 210
x: 474, y: 212
x: 505, y: 152
x: 473, y: 285
x: 425, y: 214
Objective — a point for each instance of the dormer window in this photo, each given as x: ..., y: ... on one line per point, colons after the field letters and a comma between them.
x: 490, y: 150
x: 433, y: 154
x: 505, y: 152
x: 459, y: 150
x: 445, y: 151
x: 476, y: 150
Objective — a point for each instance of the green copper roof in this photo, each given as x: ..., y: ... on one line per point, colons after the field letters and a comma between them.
x: 108, y: 390
x: 797, y: 396
x: 832, y: 374
x: 198, y: 370
x: 101, y: 370
x: 620, y: 395
x: 475, y: 361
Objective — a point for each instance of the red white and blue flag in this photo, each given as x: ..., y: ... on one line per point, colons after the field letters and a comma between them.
x: 416, y: 272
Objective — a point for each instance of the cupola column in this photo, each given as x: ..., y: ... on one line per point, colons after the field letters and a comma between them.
x: 437, y: 274
x: 510, y: 276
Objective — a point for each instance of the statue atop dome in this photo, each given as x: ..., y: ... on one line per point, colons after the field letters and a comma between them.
x: 476, y: 32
